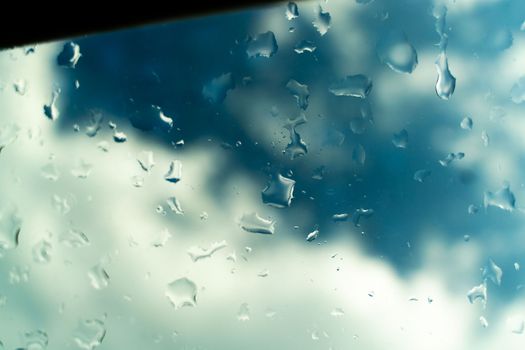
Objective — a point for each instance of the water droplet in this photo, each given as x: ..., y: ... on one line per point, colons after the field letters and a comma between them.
x: 451, y: 157
x: 18, y: 274
x: 297, y: 147
x: 270, y: 313
x: 182, y: 292
x: 36, y: 340
x: 50, y: 171
x: 51, y: 111
x: 252, y: 222
x: 103, y: 146
x: 322, y: 21
x: 352, y: 85
x: 244, y: 312
x: 74, y: 238
x: 264, y: 273
x: 278, y: 192
x: 466, y: 123
x: 8, y: 134
x: 161, y: 238
x: 361, y: 212
x: 216, y: 90
x: 82, y: 169
x: 304, y: 46
x: 340, y: 217
x: 262, y: 45
x: 174, y: 205
x: 146, y: 161
x: 318, y: 173
x: 466, y: 238
x: 119, y: 136
x: 516, y: 266
x: 478, y: 292
x: 198, y: 253
x: 446, y: 82
x: 483, y: 321
x: 493, y: 272
x: 94, y: 125
x: 516, y: 324
x: 292, y: 11
x: 485, y: 138
x: 396, y: 52
x: 69, y: 55
x: 174, y: 173
x: 337, y: 312
x: 137, y: 181
x: 10, y: 226
x: 98, y: 277
x: 20, y: 86
x: 42, y: 252
x: 359, y: 154
x: 204, y: 216
x: 473, y: 209
x: 503, y: 198
x: 312, y: 235
x: 517, y: 92
x: 422, y: 175
x: 89, y: 333
x: 400, y: 139
x: 300, y: 92
x: 77, y: 84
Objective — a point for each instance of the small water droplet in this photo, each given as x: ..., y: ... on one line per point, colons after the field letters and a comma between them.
x: 98, y: 277
x: 473, y: 209
x: 483, y: 321
x: 322, y: 21
x: 503, y: 198
x: 182, y: 292
x: 466, y: 238
x: 51, y: 111
x: 394, y: 50
x: 278, y: 192
x: 10, y: 226
x: 292, y: 11
x: 446, y: 82
x: 161, y: 238
x: 262, y: 45
x: 421, y: 175
x: 493, y: 272
x: 74, y: 238
x: 270, y: 313
x: 300, y: 92
x: 69, y: 55
x: 264, y: 273
x: 361, y: 212
x: 304, y: 46
x: 82, y: 169
x: 312, y: 235
x: 244, y: 312
x: 174, y: 173
x: 119, y: 136
x: 175, y: 206
x: 352, y: 85
x: 36, y: 340
x: 478, y: 292
x: 197, y: 253
x: 516, y: 266
x: 451, y: 157
x: 89, y: 333
x: 42, y: 252
x: 20, y: 86
x: 146, y: 161
x: 216, y: 90
x: 137, y: 181
x: 18, y: 274
x: 466, y: 123
x: 359, y: 155
x: 252, y: 222
x: 517, y: 92
x: 8, y: 134
x: 340, y: 217
x: 297, y: 147
x: 337, y: 312
x: 516, y: 324
x: 400, y: 139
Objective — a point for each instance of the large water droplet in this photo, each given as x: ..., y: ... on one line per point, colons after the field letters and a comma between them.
x: 517, y: 93
x: 197, y: 253
x: 322, y: 21
x: 262, y: 45
x: 493, y: 272
x: 252, y: 222
x: 174, y: 173
x: 69, y: 55
x: 279, y: 191
x: 466, y: 123
x: 396, y: 52
x: 42, y: 252
x: 89, y: 333
x: 478, y: 292
x: 446, y: 82
x: 421, y: 175
x: 300, y: 92
x: 400, y: 139
x: 10, y: 226
x: 353, y: 85
x: 182, y: 292
x: 51, y: 111
x: 503, y: 198
x: 304, y: 46
x: 216, y: 90
x: 297, y: 147
x: 292, y: 11
x: 146, y: 161
x: 98, y: 277
x: 244, y: 312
